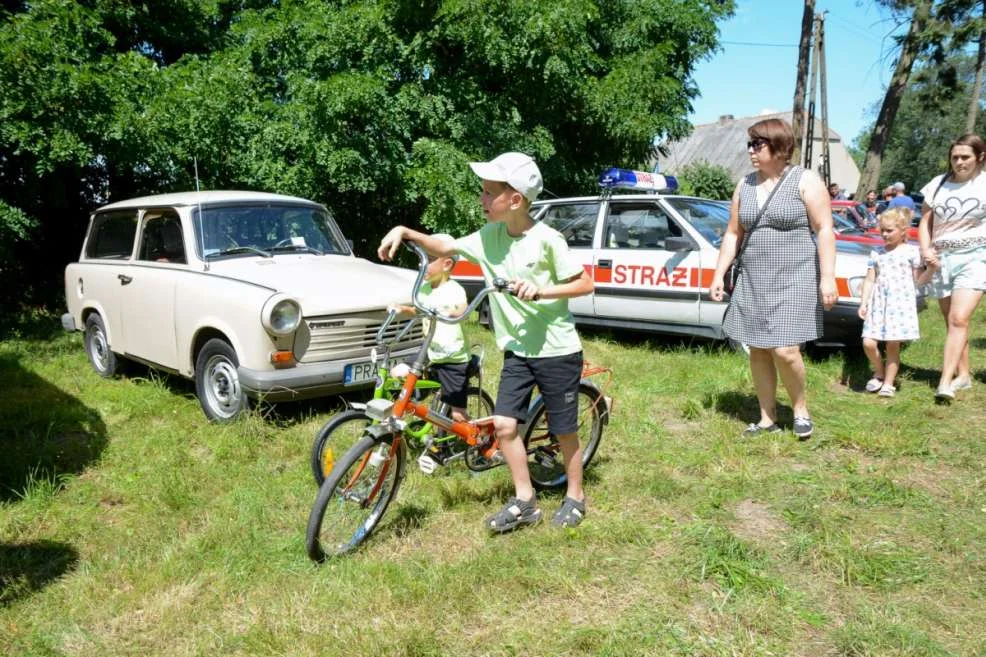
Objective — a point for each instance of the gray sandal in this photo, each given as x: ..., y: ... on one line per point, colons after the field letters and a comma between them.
x: 570, y: 514
x: 515, y: 513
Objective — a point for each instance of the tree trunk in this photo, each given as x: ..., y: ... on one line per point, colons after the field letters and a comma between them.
x: 797, y: 115
x: 909, y: 49
x: 977, y: 88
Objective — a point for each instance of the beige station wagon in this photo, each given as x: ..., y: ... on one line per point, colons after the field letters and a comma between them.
x: 253, y: 295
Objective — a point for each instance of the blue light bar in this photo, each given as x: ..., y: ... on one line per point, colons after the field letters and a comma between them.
x: 614, y: 178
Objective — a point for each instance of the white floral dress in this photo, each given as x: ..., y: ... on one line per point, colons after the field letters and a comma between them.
x: 893, y: 313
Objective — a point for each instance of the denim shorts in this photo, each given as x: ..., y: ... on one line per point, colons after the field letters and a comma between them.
x: 557, y: 377
x: 961, y: 269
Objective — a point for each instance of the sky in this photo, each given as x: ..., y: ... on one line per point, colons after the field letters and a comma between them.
x: 755, y: 71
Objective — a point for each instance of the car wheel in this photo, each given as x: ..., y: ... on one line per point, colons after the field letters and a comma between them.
x: 217, y: 385
x: 485, y: 316
x: 739, y: 346
x: 101, y: 357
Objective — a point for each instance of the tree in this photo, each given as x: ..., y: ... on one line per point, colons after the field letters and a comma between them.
x: 917, y: 146
x: 373, y: 108
x: 708, y: 180
x: 911, y: 45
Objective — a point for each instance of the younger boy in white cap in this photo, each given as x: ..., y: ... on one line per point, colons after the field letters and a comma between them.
x: 533, y: 327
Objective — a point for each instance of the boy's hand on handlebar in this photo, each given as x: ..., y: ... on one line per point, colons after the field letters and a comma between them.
x: 390, y: 243
x: 524, y: 290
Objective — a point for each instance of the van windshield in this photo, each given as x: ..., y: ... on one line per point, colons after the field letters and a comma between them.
x: 265, y: 229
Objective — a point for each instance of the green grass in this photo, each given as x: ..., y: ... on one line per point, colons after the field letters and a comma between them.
x: 129, y: 525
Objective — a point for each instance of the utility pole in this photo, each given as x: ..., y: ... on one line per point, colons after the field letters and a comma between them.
x: 804, y: 52
x: 818, y: 74
x: 820, y: 56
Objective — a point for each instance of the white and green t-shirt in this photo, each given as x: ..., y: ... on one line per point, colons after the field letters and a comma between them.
x: 532, y: 329
x: 448, y: 344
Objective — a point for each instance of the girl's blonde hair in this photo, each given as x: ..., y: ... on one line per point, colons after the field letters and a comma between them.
x: 897, y: 217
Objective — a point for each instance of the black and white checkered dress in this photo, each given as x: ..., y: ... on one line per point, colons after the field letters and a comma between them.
x: 776, y: 301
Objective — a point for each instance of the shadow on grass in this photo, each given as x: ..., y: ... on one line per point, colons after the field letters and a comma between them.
x: 744, y: 406
x: 407, y: 518
x: 26, y: 568
x: 44, y: 432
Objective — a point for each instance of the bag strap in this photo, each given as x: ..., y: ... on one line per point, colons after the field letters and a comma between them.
x: 763, y: 209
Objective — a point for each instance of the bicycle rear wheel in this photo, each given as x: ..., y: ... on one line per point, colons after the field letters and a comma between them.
x: 544, y: 454
x: 354, y: 497
x: 334, y: 439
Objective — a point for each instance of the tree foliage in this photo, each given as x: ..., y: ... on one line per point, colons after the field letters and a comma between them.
x: 917, y: 147
x: 371, y: 107
x: 708, y: 180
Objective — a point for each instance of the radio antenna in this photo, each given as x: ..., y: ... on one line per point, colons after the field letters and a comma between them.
x: 195, y: 162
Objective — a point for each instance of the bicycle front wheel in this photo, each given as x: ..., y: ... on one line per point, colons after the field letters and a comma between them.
x: 334, y: 439
x: 354, y: 497
x: 544, y: 455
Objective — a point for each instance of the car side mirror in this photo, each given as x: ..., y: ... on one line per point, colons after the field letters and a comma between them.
x: 678, y: 244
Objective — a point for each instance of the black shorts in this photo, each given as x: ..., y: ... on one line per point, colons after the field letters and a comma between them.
x: 452, y: 377
x: 557, y: 377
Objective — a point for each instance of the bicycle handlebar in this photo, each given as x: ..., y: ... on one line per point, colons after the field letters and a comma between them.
x: 497, y: 285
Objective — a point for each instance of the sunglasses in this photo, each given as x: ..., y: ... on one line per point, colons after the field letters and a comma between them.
x: 757, y: 144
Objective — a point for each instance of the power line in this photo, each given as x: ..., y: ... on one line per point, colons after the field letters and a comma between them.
x: 759, y: 45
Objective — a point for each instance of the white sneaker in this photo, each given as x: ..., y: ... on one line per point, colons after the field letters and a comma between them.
x: 887, y: 391
x: 961, y: 383
x: 874, y: 384
x: 944, y: 394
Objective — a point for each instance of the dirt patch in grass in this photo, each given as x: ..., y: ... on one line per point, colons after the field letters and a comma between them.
x: 756, y: 522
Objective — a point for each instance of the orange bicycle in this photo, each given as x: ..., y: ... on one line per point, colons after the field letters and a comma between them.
x: 356, y: 493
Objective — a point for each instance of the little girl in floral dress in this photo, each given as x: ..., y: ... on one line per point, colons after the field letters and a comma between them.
x: 889, y: 299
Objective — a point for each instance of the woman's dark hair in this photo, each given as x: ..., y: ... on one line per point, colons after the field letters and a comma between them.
x: 778, y: 133
x: 973, y: 141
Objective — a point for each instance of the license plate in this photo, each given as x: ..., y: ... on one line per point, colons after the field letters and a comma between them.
x: 359, y: 373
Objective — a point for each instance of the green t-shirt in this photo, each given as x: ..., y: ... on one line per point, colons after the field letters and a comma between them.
x: 448, y: 344
x: 532, y: 329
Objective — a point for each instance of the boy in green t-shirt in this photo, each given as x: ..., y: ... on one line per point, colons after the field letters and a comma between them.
x: 533, y: 326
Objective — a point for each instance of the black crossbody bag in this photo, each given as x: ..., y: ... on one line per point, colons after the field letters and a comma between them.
x: 732, y: 275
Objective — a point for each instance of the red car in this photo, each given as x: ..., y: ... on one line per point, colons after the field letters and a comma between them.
x: 855, y: 213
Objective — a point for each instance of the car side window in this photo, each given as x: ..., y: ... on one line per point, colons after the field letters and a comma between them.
x: 638, y: 226
x: 161, y: 239
x: 576, y: 222
x: 112, y: 235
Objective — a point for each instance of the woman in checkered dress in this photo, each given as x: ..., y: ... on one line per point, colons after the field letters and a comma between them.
x: 785, y: 279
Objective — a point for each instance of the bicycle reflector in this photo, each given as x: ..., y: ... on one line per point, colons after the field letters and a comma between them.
x: 615, y: 178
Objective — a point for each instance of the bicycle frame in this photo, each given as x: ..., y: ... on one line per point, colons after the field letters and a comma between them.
x: 472, y: 431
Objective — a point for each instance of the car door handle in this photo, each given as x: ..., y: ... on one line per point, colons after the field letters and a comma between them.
x: 124, y: 279
x: 605, y: 264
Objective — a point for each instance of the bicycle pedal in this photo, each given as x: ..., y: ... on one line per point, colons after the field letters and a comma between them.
x: 427, y: 464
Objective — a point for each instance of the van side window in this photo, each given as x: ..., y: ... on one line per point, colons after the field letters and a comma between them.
x: 161, y: 240
x: 638, y: 226
x: 576, y: 222
x: 112, y: 235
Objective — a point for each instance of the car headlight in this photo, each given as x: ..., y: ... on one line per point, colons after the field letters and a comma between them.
x: 281, y: 315
x: 856, y: 286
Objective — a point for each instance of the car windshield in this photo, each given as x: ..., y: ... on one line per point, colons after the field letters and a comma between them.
x: 710, y: 218
x: 265, y: 229
x: 844, y: 226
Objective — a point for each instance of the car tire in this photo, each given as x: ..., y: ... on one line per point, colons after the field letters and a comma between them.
x: 106, y: 363
x: 485, y: 316
x: 740, y: 347
x: 217, y: 384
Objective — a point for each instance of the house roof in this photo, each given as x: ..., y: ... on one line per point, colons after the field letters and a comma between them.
x: 723, y: 142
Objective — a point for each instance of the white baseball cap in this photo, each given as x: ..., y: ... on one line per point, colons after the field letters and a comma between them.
x: 516, y: 169
x: 448, y: 239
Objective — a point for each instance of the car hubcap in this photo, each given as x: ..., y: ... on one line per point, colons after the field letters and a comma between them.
x: 99, y: 349
x: 223, y: 386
